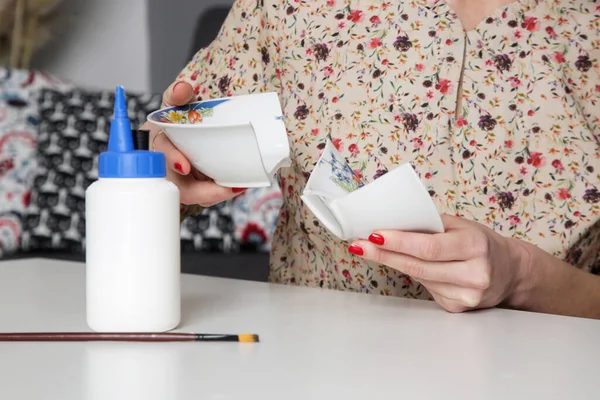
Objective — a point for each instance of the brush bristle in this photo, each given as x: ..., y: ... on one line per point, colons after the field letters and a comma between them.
x: 248, y: 338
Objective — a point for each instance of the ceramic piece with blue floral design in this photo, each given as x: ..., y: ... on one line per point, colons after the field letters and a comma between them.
x: 351, y: 209
x: 332, y: 176
x: 194, y: 113
x: 238, y: 141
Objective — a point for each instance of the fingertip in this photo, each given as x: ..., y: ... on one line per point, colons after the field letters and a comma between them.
x: 377, y: 239
x: 356, y: 249
x: 182, y: 93
x: 180, y: 166
x: 175, y: 160
x: 181, y: 87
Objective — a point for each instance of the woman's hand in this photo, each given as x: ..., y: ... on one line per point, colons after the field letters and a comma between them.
x: 467, y: 267
x: 194, y: 187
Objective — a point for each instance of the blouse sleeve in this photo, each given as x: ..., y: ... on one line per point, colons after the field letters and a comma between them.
x: 241, y: 59
x: 585, y: 254
x: 584, y: 73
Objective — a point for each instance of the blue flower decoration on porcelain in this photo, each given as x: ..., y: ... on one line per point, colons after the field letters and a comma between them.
x: 342, y: 174
x: 194, y: 113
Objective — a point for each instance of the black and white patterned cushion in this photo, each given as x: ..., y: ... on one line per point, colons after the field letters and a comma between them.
x: 211, y: 231
x: 74, y: 130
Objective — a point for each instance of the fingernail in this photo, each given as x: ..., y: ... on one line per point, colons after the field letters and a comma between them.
x: 238, y: 190
x: 177, y: 84
x: 377, y: 239
x: 178, y: 167
x: 356, y: 250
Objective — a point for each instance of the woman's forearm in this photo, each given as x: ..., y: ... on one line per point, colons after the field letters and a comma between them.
x: 550, y: 285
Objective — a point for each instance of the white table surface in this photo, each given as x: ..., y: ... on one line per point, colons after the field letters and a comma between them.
x: 315, y: 344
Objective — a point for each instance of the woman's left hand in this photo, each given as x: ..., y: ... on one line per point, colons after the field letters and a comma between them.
x: 467, y: 267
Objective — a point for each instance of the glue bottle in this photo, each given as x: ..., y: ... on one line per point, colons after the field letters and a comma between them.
x: 132, y: 237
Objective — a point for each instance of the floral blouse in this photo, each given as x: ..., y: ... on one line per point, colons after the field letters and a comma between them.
x: 502, y: 123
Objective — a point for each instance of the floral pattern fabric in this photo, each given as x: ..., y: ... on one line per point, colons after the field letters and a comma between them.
x: 502, y: 123
x: 19, y: 122
x: 255, y: 213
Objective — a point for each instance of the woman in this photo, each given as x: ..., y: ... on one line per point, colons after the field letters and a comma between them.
x: 495, y: 103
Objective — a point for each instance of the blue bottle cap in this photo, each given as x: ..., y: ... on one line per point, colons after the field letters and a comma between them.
x: 122, y: 160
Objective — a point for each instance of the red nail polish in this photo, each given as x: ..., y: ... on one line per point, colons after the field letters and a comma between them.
x: 377, y: 239
x: 178, y: 167
x: 356, y: 250
x: 238, y: 190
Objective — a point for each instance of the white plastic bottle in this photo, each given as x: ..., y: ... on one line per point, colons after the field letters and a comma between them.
x: 132, y: 238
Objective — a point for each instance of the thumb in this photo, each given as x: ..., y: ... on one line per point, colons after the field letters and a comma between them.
x: 178, y: 94
x: 452, y: 222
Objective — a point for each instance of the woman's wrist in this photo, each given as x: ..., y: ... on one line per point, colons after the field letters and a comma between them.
x: 524, y: 278
x: 546, y: 284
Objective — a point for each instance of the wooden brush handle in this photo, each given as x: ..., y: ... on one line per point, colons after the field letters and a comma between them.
x: 85, y: 336
x: 125, y: 337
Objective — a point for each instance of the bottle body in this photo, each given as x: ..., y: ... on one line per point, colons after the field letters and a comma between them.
x: 132, y: 255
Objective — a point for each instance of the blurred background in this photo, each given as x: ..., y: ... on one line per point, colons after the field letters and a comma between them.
x: 142, y: 44
x: 60, y: 61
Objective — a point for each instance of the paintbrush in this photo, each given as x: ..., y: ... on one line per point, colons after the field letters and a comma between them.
x: 124, y: 337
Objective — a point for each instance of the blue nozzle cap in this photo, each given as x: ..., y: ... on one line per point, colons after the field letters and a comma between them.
x: 121, y: 160
x: 120, y: 109
x: 121, y: 137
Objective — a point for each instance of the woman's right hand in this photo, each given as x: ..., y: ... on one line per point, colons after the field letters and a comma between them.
x: 194, y: 187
